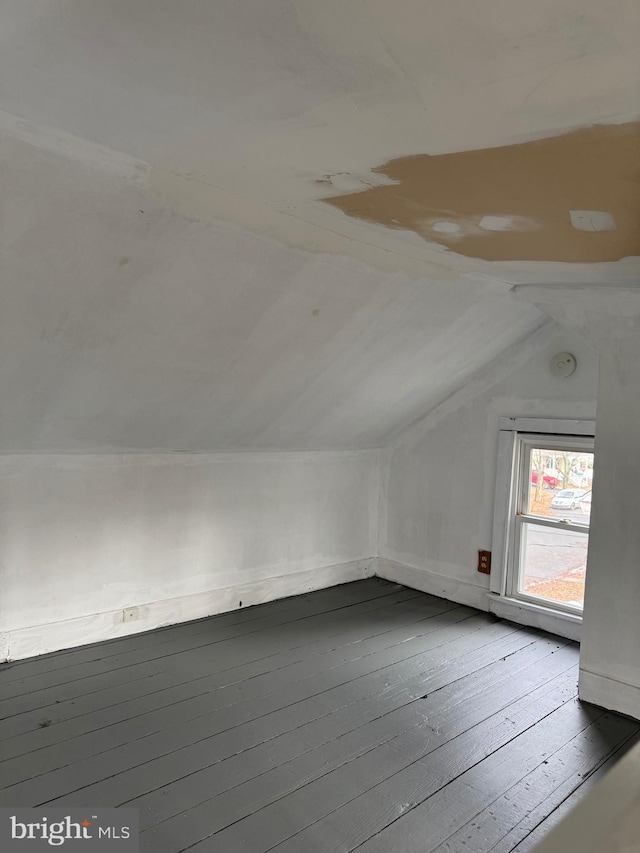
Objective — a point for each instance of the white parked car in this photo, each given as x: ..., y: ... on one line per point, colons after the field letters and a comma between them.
x: 568, y: 498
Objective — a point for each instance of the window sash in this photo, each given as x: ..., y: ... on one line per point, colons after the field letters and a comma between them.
x: 516, y: 574
x: 524, y: 443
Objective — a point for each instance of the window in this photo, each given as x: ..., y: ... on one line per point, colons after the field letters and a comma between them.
x: 550, y: 524
x: 541, y: 521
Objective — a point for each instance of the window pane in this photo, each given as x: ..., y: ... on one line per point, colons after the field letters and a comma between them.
x: 559, y: 484
x: 553, y: 564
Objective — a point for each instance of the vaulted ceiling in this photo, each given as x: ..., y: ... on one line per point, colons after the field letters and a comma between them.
x: 295, y: 224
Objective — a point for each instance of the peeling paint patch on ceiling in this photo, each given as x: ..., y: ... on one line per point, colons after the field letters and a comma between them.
x: 518, y: 202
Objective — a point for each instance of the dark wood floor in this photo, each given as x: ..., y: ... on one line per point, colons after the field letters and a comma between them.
x: 365, y: 717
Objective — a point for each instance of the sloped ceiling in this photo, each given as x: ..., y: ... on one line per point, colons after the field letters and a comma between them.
x: 179, y: 271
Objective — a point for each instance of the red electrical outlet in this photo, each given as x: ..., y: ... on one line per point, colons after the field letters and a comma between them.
x: 484, y: 562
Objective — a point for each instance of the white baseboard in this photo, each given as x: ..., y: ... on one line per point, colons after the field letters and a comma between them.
x: 609, y: 693
x: 424, y: 580
x: 526, y: 613
x: 39, y: 639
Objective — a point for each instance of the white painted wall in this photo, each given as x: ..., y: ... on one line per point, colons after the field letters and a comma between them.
x: 178, y: 536
x: 610, y: 658
x: 439, y: 476
x: 610, y: 654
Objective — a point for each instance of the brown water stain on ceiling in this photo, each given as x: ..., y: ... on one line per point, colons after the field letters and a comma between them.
x: 574, y: 198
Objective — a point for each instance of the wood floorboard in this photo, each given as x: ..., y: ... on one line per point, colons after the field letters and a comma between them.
x: 202, y: 656
x: 553, y: 808
x: 446, y: 810
x: 364, y: 717
x: 282, y: 712
x: 367, y: 783
x: 101, y: 708
x: 303, y: 605
x: 454, y: 714
x: 227, y: 760
x: 566, y: 769
x: 207, y: 635
x: 305, y: 684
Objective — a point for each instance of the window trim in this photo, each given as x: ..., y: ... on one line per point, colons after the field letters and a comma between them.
x: 512, y: 429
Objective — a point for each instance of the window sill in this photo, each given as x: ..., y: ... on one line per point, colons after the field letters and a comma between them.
x: 537, y: 616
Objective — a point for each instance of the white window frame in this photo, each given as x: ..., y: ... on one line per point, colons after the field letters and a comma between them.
x: 503, y: 598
